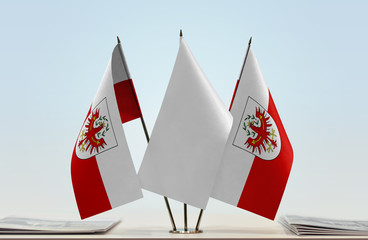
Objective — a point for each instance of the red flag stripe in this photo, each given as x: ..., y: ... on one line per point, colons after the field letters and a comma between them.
x: 127, y: 100
x: 267, y: 180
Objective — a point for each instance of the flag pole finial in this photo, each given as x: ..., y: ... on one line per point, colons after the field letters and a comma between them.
x: 118, y: 39
x: 181, y: 33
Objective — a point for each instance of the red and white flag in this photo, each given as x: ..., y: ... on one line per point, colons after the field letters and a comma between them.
x: 102, y: 169
x: 258, y: 155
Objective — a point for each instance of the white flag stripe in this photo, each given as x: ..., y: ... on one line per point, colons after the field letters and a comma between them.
x: 117, y: 65
x: 236, y: 163
x: 113, y: 168
x: 116, y: 165
x: 184, y: 152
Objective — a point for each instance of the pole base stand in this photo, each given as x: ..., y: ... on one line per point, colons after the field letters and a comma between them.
x: 182, y: 231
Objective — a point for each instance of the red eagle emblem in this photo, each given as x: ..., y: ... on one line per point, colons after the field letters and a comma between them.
x: 89, y: 138
x: 261, y: 133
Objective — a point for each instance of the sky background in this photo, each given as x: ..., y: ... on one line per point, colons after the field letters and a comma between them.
x: 313, y: 55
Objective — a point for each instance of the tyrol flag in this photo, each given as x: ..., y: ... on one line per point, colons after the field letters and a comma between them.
x: 258, y: 155
x: 102, y: 170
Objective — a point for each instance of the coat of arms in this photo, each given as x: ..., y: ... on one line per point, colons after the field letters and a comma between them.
x: 97, y: 134
x: 257, y: 132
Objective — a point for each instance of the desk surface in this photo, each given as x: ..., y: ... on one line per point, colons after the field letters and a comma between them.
x: 214, y: 227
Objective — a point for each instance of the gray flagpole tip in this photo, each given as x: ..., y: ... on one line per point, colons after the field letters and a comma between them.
x: 181, y: 33
x: 250, y: 41
x: 118, y: 39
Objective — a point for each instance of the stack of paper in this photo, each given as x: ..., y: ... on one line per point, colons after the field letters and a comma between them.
x: 322, y: 226
x: 43, y: 226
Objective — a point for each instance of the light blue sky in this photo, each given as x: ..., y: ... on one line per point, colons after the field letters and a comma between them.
x: 313, y: 55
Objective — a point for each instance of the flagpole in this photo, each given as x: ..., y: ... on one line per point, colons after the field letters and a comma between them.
x: 245, y: 58
x: 185, y: 218
x: 145, y: 131
x: 185, y: 205
x: 242, y: 68
x: 199, y: 220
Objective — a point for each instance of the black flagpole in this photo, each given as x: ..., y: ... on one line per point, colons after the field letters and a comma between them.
x: 241, y: 70
x: 199, y: 220
x: 185, y: 218
x: 146, y: 133
x: 185, y: 205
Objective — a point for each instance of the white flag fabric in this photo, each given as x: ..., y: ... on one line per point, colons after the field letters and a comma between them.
x: 187, y: 141
x: 102, y: 169
x: 258, y: 155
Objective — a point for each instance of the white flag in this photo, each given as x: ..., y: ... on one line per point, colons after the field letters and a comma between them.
x: 188, y: 139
